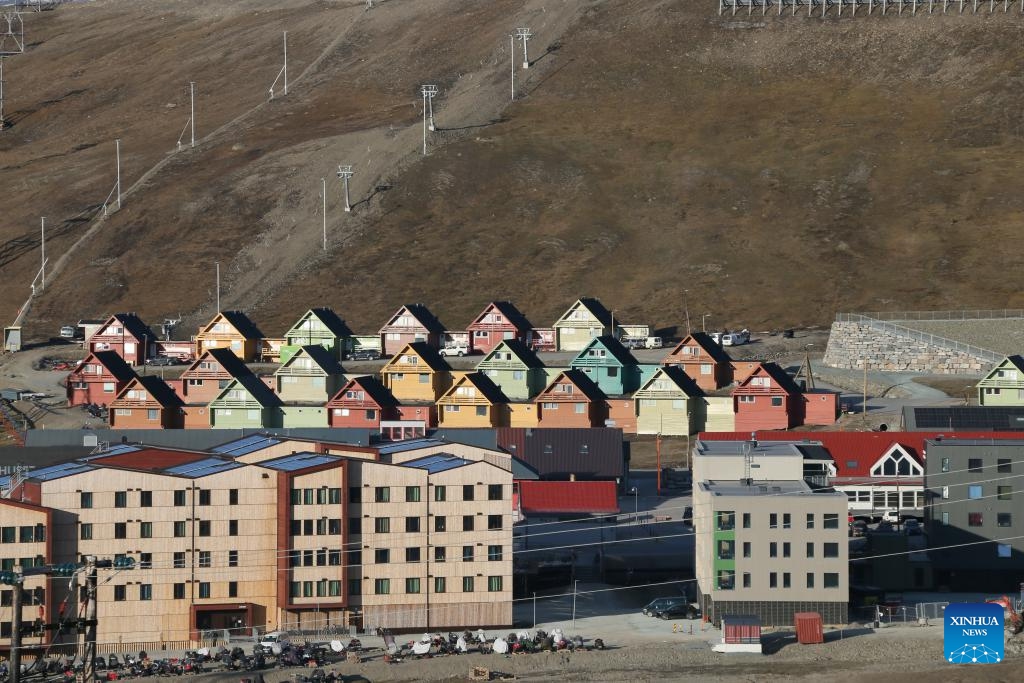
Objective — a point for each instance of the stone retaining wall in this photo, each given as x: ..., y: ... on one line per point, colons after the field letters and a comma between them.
x: 850, y: 344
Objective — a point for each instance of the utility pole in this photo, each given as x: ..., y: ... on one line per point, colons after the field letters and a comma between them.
x: 118, y: 143
x: 217, y: 263
x: 323, y: 196
x: 42, y: 247
x: 192, y: 104
x: 286, y: 62
x: 89, y: 649
x: 864, y: 405
x: 525, y: 35
x: 16, y: 626
x: 512, y: 53
x: 345, y: 172
x: 428, y: 92
x: 3, y: 123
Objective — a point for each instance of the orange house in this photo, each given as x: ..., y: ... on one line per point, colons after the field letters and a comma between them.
x: 473, y: 401
x: 203, y: 381
x: 98, y: 379
x: 231, y: 330
x: 147, y: 402
x: 767, y: 399
x: 704, y: 361
x: 417, y: 373
x: 571, y: 400
x: 362, y: 402
x: 621, y: 412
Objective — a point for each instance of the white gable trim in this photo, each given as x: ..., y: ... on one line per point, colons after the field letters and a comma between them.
x: 895, y: 456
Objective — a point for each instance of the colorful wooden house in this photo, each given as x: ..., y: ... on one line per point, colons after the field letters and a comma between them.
x: 499, y: 321
x: 231, y: 330
x: 571, y: 400
x: 668, y: 403
x: 609, y: 365
x: 473, y: 401
x: 585, y: 320
x: 1004, y: 384
x: 768, y: 399
x: 206, y: 377
x: 620, y: 413
x: 821, y: 407
x: 319, y: 326
x: 146, y: 402
x: 126, y: 335
x: 515, y: 368
x: 417, y: 372
x: 246, y: 402
x: 703, y: 360
x: 98, y: 379
x: 410, y: 324
x: 311, y: 375
x: 363, y: 402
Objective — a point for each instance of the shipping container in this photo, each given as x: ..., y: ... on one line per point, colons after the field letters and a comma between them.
x: 741, y: 629
x: 808, y: 628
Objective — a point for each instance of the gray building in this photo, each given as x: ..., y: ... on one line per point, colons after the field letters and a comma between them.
x: 771, y: 549
x: 975, y: 513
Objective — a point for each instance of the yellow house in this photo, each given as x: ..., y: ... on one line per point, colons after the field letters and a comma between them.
x: 473, y: 401
x: 417, y: 373
x: 523, y: 415
x: 231, y: 330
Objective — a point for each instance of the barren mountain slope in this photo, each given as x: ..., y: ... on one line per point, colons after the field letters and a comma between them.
x: 777, y: 169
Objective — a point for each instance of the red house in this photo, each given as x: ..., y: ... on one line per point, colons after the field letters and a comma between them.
x: 821, y: 407
x: 767, y: 399
x: 501, y: 320
x: 362, y: 402
x: 571, y: 400
x: 126, y: 335
x: 704, y: 361
x: 99, y: 379
x: 146, y: 403
x: 410, y: 323
x: 204, y: 380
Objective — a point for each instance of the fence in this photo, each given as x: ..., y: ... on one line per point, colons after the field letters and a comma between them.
x: 866, y: 7
x: 924, y: 337
x: 930, y: 610
x: 979, y: 314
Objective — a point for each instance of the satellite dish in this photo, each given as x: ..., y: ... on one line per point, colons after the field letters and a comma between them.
x: 337, y: 646
x: 276, y: 648
x: 500, y: 646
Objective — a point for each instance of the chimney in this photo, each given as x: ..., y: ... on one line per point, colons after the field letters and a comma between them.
x: 572, y: 477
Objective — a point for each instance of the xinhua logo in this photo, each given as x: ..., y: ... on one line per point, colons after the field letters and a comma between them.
x: 973, y: 633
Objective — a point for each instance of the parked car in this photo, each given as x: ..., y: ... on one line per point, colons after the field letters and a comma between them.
x: 859, y: 528
x: 658, y: 604
x: 364, y: 354
x: 456, y: 349
x: 163, y: 360
x: 912, y: 527
x: 736, y: 338
x: 681, y: 610
x: 891, y: 516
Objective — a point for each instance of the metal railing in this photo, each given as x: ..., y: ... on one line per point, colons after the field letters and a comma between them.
x: 979, y: 314
x: 928, y: 611
x: 925, y: 337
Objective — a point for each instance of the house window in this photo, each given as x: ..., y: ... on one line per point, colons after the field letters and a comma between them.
x: 746, y: 549
x: 146, y: 499
x: 204, y: 496
x: 773, y: 520
x: 119, y: 593
x: 481, y: 411
x: 204, y: 589
x: 145, y: 529
x: 746, y: 579
x: 1004, y: 519
x: 467, y: 522
x: 120, y: 499
x: 232, y: 527
x: 382, y: 556
x: 412, y: 555
x: 945, y: 464
x: 152, y: 414
x: 705, y: 368
x: 382, y: 525
x: 810, y: 579
x: 120, y: 530
x: 494, y: 492
x: 205, y: 559
x: 204, y: 527
x: 440, y: 494
x: 945, y: 518
x: 494, y: 584
x: 494, y: 522
x: 232, y: 558
x: 85, y: 532
x: 1004, y: 492
x: 382, y: 586
x: 974, y: 491
x: 412, y: 585
x: 785, y: 580
x: 726, y: 579
x: 146, y: 591
x: 830, y: 550
x: 355, y: 526
x: 580, y: 408
x: 179, y: 498
x: 748, y: 399
x: 468, y: 491
x: 467, y: 553
x: 440, y: 553
x: 773, y: 549
x: 810, y: 549
x: 232, y: 589
x: 1003, y: 465
x: 412, y: 525
x: 786, y: 522
x: 179, y: 591
x: 179, y: 560
x: 785, y: 549
x: 439, y: 523
x: 467, y: 584
x: 549, y: 406
x: 382, y: 494
x: 773, y: 580
x: 85, y: 499
x: 810, y: 520
x: 776, y: 401
x: 831, y: 520
x: 831, y: 580
x: 974, y: 465
x: 494, y: 553
x: 424, y: 378
x: 975, y: 519
x: 412, y: 494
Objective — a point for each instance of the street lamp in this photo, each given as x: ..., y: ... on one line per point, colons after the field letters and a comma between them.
x: 636, y: 506
x: 703, y: 326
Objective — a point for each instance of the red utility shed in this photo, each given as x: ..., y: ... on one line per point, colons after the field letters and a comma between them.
x: 808, y: 628
x: 741, y: 629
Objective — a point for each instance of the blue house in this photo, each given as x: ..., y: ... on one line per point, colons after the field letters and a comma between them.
x: 609, y: 365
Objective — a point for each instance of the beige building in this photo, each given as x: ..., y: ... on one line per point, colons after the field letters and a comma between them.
x: 767, y: 546
x: 266, y: 533
x: 25, y: 538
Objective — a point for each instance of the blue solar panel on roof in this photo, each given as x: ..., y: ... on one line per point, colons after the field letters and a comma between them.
x: 298, y: 461
x: 203, y: 468
x: 437, y: 463
x: 410, y: 445
x: 245, y: 445
x: 64, y: 469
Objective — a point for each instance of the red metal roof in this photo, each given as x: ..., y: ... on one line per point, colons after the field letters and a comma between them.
x: 559, y: 497
x: 149, y: 459
x: 861, y: 448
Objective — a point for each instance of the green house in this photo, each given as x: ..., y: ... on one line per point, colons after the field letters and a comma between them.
x: 311, y: 375
x: 303, y: 415
x: 515, y: 368
x: 1004, y: 384
x: 320, y: 327
x: 585, y: 320
x: 246, y: 402
x: 609, y: 365
x: 669, y: 403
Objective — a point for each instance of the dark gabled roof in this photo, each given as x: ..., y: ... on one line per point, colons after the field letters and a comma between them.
x: 227, y: 359
x: 614, y: 347
x: 557, y: 453
x: 324, y: 358
x: 582, y: 382
x: 159, y: 390
x: 374, y: 388
x: 522, y: 470
x: 491, y: 391
x: 511, y: 313
x: 422, y: 314
x: 258, y: 390
x: 333, y: 321
x: 520, y: 350
x: 598, y: 309
x: 705, y: 341
x: 240, y: 321
x: 682, y: 380
x: 134, y: 325
x: 782, y: 378
x: 115, y: 364
x: 434, y: 360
